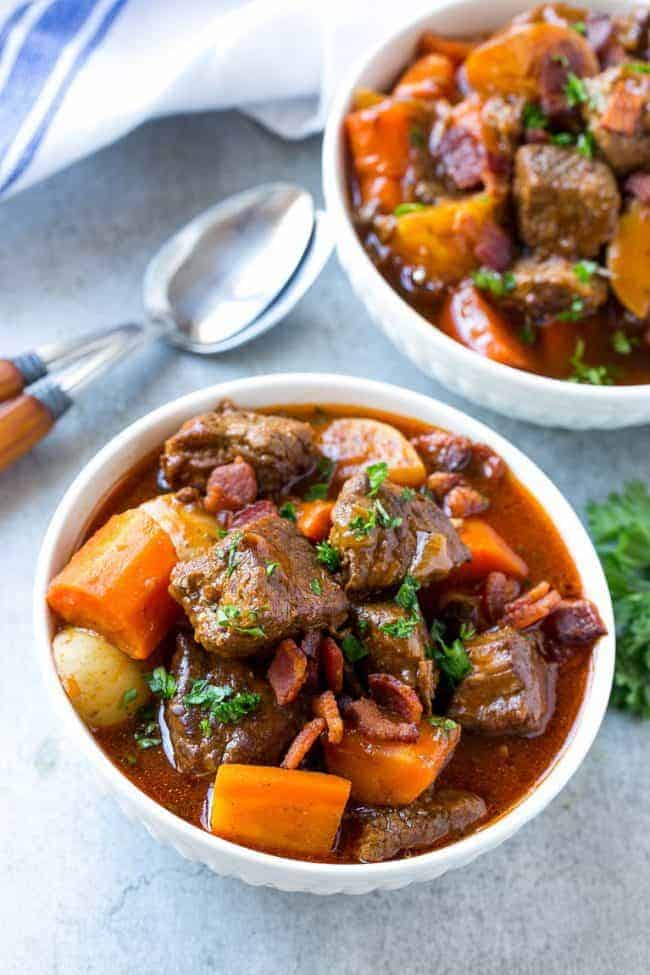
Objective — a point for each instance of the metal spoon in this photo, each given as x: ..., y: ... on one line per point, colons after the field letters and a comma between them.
x: 232, y: 273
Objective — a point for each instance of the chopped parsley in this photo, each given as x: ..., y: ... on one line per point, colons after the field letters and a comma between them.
x: 407, y: 494
x: 325, y: 468
x: 621, y: 342
x: 328, y: 556
x: 271, y: 567
x: 443, y: 724
x: 620, y: 528
x: 586, y: 145
x: 642, y: 67
x: 407, y: 595
x: 362, y: 525
x: 228, y: 616
x: 401, y: 628
x: 497, y: 284
x: 161, y: 683
x: 288, y: 510
x: 147, y: 733
x: 353, y: 648
x: 579, y: 27
x: 589, y: 375
x: 144, y: 740
x: 377, y: 474
x: 575, y: 90
x: 584, y: 270
x: 230, y: 552
x: 528, y: 332
x: 317, y: 492
x: 384, y: 519
x: 573, y: 313
x: 316, y: 586
x: 562, y: 139
x: 129, y: 696
x: 534, y: 117
x: 206, y: 727
x: 561, y: 59
x: 416, y: 138
x: 221, y: 702
x: 404, y: 208
x: 452, y: 658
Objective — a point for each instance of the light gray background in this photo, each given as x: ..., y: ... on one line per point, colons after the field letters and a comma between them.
x: 83, y: 890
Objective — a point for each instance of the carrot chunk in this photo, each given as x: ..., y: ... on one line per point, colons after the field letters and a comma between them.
x: 380, y: 139
x: 117, y: 584
x: 431, y: 76
x: 471, y: 320
x: 314, y: 519
x: 280, y: 810
x: 390, y: 773
x: 490, y: 553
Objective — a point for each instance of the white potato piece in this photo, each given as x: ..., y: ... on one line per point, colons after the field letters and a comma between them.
x: 356, y: 442
x: 192, y: 529
x: 98, y: 678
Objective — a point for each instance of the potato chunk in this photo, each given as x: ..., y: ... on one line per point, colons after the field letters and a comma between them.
x: 356, y: 442
x: 192, y: 530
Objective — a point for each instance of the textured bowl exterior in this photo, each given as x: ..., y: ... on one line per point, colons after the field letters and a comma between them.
x: 547, y: 402
x: 92, y: 486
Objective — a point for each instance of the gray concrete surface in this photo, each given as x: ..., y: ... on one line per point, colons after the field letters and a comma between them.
x: 84, y: 891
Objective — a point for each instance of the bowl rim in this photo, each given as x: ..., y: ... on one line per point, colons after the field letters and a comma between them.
x: 285, y: 389
x: 335, y: 191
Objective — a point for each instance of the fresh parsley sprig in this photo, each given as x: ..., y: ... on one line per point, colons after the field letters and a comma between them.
x: 452, y: 658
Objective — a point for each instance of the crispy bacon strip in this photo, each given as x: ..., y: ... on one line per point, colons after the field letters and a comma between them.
x: 463, y: 501
x: 531, y: 608
x: 441, y: 482
x: 288, y: 672
x: 303, y: 743
x: 395, y: 695
x: 367, y: 716
x: 325, y: 706
x: 331, y: 659
x: 253, y: 511
x: 445, y: 451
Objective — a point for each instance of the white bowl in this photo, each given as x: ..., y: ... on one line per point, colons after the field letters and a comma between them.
x: 549, y: 402
x: 118, y: 457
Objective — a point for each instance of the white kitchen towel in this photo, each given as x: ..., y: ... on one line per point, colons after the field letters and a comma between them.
x: 77, y: 74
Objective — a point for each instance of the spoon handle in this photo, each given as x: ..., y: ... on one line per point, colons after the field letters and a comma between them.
x: 28, y: 418
x: 19, y: 372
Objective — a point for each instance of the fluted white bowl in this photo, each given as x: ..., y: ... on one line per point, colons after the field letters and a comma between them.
x: 118, y: 457
x: 548, y: 402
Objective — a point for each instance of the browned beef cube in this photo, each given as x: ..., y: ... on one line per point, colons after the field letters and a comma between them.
x: 511, y: 689
x: 202, y: 743
x: 566, y: 204
x: 618, y: 115
x: 372, y: 834
x: 545, y: 286
x: 381, y: 539
x: 280, y: 450
x: 237, y: 607
x: 404, y: 656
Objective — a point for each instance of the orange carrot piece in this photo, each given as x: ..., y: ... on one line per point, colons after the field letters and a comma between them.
x: 471, y: 320
x: 279, y: 810
x: 116, y: 584
x: 380, y: 142
x: 390, y: 773
x: 431, y: 76
x: 455, y: 50
x: 490, y: 553
x: 314, y: 519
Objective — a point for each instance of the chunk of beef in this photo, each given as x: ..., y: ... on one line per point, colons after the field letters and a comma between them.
x: 381, y: 539
x: 404, y: 657
x: 618, y: 115
x: 238, y: 608
x: 280, y: 450
x: 575, y: 623
x: 511, y: 687
x: 566, y: 204
x: 545, y: 286
x: 260, y: 738
x: 372, y: 834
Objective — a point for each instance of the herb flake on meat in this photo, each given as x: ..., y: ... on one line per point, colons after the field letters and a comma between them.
x: 228, y: 617
x: 401, y: 629
x: 328, y: 556
x: 353, y: 648
x: 316, y: 587
x: 573, y: 313
x: 377, y: 474
x: 584, y: 270
x: 161, y: 683
x: 221, y: 702
x: 575, y: 90
x: 288, y: 511
x: 384, y: 519
x: 403, y: 208
x: 534, y: 117
x: 452, y: 658
x: 497, y: 284
x: 362, y: 525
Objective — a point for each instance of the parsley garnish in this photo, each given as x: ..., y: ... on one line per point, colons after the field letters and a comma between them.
x: 622, y: 343
x: 583, y: 270
x: 288, y: 510
x: 271, y: 567
x: 586, y: 144
x: 575, y: 90
x: 641, y: 66
x: 573, y: 313
x: 221, y: 702
x: 230, y: 552
x: 377, y: 474
x: 561, y: 59
x: 497, y: 284
x: 147, y: 734
x: 620, y: 528
x: 590, y: 375
x: 146, y: 741
x: 444, y: 724
x: 325, y: 468
x: 404, y: 208
x: 317, y: 492
x: 416, y: 138
x: 228, y: 615
x: 161, y: 683
x: 407, y: 494
x: 407, y: 595
x: 384, y: 519
x: 353, y: 648
x: 452, y: 658
x: 528, y: 332
x: 401, y: 628
x: 579, y: 26
x: 129, y: 696
x: 562, y: 139
x: 534, y: 117
x: 362, y: 525
x: 316, y: 587
x: 328, y: 556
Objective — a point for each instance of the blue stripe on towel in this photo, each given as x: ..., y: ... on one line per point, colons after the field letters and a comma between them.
x: 10, y: 23
x: 82, y: 56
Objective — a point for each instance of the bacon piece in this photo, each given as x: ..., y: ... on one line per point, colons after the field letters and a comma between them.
x: 331, y: 659
x: 564, y: 58
x: 441, y: 482
x: 231, y: 487
x: 639, y: 185
x: 310, y: 646
x: 253, y: 511
x: 494, y: 247
x: 325, y: 707
x: 463, y: 501
x: 288, y: 672
x: 463, y: 157
x: 303, y: 743
x: 189, y: 495
x: 537, y: 136
x: 393, y: 694
x: 489, y: 464
x: 531, y: 608
x: 624, y: 109
x: 371, y: 721
x: 445, y: 451
x: 499, y: 590
x: 575, y: 622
